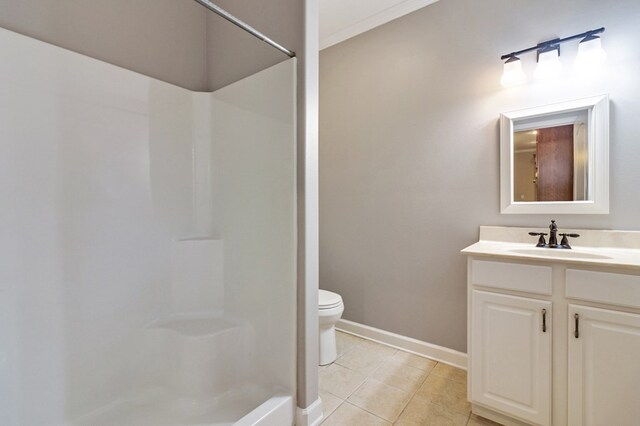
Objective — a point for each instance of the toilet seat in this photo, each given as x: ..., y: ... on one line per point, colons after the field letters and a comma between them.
x: 328, y: 300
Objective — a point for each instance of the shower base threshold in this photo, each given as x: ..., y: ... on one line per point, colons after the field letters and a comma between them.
x: 158, y: 407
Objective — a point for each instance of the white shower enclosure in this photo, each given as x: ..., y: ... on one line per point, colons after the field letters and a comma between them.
x: 147, y: 245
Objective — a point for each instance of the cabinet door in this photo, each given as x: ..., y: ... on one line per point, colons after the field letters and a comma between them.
x: 511, y: 355
x: 604, y: 368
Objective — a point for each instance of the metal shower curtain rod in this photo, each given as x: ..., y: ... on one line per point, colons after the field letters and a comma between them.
x: 248, y: 28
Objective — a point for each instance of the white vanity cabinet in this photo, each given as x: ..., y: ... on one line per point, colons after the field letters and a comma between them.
x: 604, y: 360
x: 553, y: 340
x: 511, y: 343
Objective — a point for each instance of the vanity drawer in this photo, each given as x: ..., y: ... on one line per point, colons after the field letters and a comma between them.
x: 604, y: 287
x: 512, y: 276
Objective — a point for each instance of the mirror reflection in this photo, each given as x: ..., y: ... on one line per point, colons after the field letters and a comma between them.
x: 551, y: 158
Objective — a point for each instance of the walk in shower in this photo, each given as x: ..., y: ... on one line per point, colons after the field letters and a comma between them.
x: 148, y: 243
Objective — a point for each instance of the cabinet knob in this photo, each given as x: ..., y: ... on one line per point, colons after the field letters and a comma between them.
x: 544, y: 320
x: 577, y: 330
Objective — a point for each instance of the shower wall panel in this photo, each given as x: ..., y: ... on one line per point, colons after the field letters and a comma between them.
x: 126, y: 201
x: 96, y: 183
x: 254, y: 165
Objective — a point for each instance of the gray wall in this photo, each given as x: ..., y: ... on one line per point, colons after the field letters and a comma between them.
x: 409, y: 149
x: 165, y: 39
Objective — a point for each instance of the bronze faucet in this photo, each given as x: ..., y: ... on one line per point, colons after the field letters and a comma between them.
x: 553, y: 237
x: 553, y: 232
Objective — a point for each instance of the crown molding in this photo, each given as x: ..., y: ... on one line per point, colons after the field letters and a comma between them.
x: 380, y: 18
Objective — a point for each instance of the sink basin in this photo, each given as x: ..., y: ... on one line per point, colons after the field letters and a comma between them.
x: 559, y: 253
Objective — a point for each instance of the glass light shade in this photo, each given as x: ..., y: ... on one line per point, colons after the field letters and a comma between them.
x: 549, y: 65
x: 513, y: 74
x: 590, y: 54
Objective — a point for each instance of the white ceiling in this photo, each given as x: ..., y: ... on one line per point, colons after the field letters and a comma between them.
x: 343, y: 19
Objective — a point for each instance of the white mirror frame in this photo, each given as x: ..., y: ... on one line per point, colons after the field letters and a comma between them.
x: 598, y: 142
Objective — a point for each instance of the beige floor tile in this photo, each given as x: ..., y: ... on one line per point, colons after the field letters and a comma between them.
x: 376, y: 348
x: 451, y: 373
x: 446, y: 393
x: 413, y: 360
x: 329, y: 403
x: 350, y: 415
x: 422, y: 413
x: 340, y: 381
x: 382, y: 400
x: 400, y: 376
x: 345, y: 342
x: 480, y: 421
x: 347, y: 337
x: 361, y: 360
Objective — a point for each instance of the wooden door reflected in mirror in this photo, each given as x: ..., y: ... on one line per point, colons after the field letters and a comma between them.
x: 550, y: 163
x: 555, y: 164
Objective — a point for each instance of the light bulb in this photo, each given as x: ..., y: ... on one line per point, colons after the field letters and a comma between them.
x: 513, y: 74
x: 590, y: 54
x: 549, y: 65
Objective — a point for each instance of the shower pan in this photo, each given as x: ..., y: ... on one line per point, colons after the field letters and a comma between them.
x: 148, y: 245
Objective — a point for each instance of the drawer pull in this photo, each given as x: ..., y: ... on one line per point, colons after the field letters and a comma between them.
x: 577, y: 331
x: 544, y: 320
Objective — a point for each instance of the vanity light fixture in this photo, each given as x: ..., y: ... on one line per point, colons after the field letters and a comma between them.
x: 513, y: 74
x: 590, y: 53
x: 549, y: 65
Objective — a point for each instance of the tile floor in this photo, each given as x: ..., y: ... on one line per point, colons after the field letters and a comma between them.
x: 372, y: 384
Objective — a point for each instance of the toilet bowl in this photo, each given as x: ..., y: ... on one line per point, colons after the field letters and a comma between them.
x: 330, y: 308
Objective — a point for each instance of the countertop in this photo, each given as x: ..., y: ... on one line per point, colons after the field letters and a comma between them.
x: 594, y: 247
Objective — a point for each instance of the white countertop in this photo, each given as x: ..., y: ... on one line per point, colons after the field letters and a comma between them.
x: 594, y: 247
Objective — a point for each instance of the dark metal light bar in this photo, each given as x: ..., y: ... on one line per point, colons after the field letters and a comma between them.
x: 552, y: 43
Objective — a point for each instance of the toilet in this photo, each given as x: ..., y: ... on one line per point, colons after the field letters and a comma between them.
x: 330, y: 308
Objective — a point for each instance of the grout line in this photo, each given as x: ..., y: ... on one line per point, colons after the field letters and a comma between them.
x: 333, y: 394
x: 421, y: 383
x: 412, y: 394
x: 469, y: 418
x: 350, y: 369
x: 445, y: 408
x: 367, y: 411
x: 334, y: 410
x: 387, y: 359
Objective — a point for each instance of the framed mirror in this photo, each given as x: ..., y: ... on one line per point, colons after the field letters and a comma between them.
x: 554, y: 159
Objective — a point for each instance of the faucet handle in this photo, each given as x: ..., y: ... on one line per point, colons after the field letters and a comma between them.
x: 541, y: 240
x: 565, y: 242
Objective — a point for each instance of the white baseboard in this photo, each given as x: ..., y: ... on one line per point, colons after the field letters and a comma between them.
x: 408, y: 344
x: 310, y: 416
